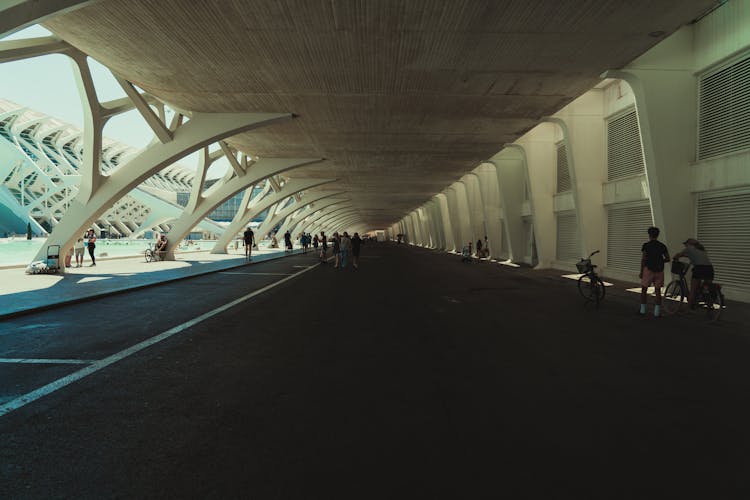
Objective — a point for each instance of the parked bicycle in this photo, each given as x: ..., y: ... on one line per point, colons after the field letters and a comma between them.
x: 708, y: 295
x: 590, y: 285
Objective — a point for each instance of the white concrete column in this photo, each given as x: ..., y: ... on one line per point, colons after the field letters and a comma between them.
x: 299, y: 222
x: 450, y: 242
x: 220, y: 192
x: 455, y: 223
x: 495, y: 224
x: 582, y: 126
x: 462, y: 216
x: 433, y: 222
x: 539, y: 156
x: 665, y: 88
x: 477, y: 209
x: 247, y: 213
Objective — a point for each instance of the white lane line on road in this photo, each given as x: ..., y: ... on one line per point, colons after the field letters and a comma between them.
x: 94, y: 367
x: 35, y: 361
x: 257, y: 274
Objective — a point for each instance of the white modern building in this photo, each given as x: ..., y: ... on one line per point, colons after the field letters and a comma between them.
x: 663, y: 141
x: 40, y: 158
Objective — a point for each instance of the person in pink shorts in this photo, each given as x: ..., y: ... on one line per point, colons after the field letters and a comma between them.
x: 654, y: 254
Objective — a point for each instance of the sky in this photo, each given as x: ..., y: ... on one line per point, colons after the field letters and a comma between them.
x: 46, y: 84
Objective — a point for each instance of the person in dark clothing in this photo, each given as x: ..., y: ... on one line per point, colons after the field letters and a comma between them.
x: 91, y: 244
x: 654, y: 254
x: 323, y: 247
x: 248, y: 237
x: 336, y: 250
x: 356, y: 243
x: 287, y: 242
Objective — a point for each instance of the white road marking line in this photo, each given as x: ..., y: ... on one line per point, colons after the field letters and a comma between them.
x: 94, y: 367
x: 257, y: 274
x: 37, y: 361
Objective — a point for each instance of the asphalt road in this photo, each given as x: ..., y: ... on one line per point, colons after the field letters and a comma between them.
x: 415, y: 377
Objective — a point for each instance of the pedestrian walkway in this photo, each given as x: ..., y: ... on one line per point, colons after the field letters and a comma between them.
x: 21, y: 293
x: 415, y: 376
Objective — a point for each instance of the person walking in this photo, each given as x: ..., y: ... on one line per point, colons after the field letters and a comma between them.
x: 91, y: 244
x: 654, y: 254
x: 346, y: 248
x: 248, y: 239
x: 78, y: 249
x: 315, y: 244
x: 356, y: 243
x: 323, y: 247
x: 336, y: 250
x: 287, y: 242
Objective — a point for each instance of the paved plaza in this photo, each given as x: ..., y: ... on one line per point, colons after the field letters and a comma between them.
x: 416, y: 376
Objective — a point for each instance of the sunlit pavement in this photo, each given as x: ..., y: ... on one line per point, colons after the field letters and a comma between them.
x: 416, y: 376
x: 20, y: 292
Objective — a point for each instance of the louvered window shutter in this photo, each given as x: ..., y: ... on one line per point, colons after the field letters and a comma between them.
x: 563, y: 175
x: 624, y: 151
x: 627, y: 231
x: 724, y: 229
x: 724, y: 111
x: 567, y: 237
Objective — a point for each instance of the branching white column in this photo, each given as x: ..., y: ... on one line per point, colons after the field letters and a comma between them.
x: 538, y: 156
x: 98, y: 192
x: 318, y: 221
x: 450, y: 242
x: 437, y: 224
x: 497, y: 222
x: 476, y: 202
x: 295, y: 222
x: 344, y: 222
x: 665, y: 95
x: 310, y: 223
x: 204, y: 203
x: 294, y: 213
x: 248, y: 212
x: 330, y: 219
x: 16, y: 15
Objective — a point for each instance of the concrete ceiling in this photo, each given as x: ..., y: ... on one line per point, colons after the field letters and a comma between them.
x: 402, y: 97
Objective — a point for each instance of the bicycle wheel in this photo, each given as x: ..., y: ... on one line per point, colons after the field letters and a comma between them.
x: 714, y: 303
x: 674, y: 297
x: 588, y: 288
x: 149, y: 255
x: 600, y: 289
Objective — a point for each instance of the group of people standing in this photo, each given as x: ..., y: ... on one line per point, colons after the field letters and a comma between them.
x: 655, y: 255
x: 343, y: 247
x: 88, y: 240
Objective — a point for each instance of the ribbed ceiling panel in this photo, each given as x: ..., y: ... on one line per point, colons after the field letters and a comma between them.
x: 402, y: 97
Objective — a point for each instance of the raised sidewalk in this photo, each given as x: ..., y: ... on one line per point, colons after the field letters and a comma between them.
x: 21, y: 293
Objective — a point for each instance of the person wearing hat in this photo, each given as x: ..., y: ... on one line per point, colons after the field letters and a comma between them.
x: 702, y: 267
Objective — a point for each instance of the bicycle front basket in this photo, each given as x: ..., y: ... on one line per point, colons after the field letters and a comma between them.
x: 584, y: 266
x: 678, y: 267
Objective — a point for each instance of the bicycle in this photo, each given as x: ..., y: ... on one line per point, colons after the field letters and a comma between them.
x: 152, y: 255
x: 590, y: 285
x: 708, y: 295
